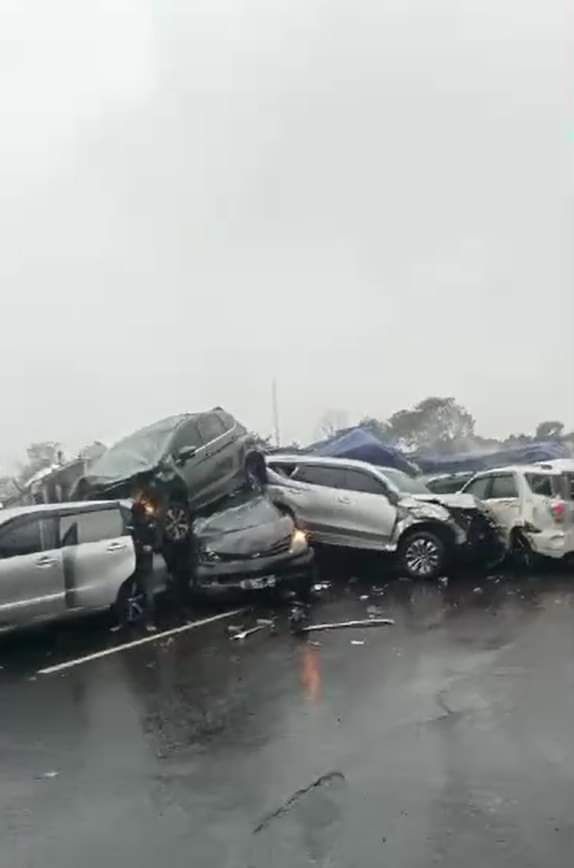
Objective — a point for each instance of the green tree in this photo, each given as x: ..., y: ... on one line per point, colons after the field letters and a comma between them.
x: 550, y: 430
x: 41, y: 454
x: 435, y: 423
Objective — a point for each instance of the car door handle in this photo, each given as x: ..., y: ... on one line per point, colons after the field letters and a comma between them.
x: 115, y: 547
x: 344, y: 499
x: 46, y: 561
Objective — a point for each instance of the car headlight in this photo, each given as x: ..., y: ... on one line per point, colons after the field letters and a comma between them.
x: 208, y: 555
x: 298, y: 540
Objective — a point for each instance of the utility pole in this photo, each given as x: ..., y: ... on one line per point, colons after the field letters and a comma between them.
x: 275, y: 411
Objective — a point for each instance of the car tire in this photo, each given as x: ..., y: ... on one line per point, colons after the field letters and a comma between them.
x: 130, y: 606
x: 521, y: 552
x: 176, y: 522
x: 422, y: 555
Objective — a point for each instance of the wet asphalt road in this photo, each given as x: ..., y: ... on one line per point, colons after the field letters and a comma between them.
x: 444, y: 740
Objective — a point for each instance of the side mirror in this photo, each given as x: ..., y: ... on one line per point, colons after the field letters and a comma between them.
x: 183, y: 455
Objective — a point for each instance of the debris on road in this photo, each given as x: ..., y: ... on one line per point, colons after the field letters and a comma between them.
x: 374, y: 611
x: 243, y: 634
x: 478, y: 590
x: 51, y: 774
x: 364, y: 597
x: 370, y: 622
x: 443, y: 580
x: 321, y: 586
x: 358, y: 642
x: 298, y: 617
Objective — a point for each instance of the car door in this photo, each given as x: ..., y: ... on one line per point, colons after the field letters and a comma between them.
x: 190, y: 455
x: 370, y: 516
x: 222, y: 464
x: 316, y: 495
x: 503, y: 499
x: 31, y: 570
x: 98, y: 556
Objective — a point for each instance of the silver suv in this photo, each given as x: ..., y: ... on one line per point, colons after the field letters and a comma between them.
x: 58, y: 560
x: 178, y: 465
x: 353, y: 504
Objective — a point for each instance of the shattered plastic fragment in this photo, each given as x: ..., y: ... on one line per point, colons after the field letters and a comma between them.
x: 443, y: 580
x: 243, y: 634
x: 477, y: 590
x: 357, y: 641
x: 364, y: 597
x: 371, y: 622
x: 321, y: 586
x: 51, y: 774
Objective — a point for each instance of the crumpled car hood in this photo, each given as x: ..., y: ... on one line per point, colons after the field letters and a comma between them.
x: 254, y: 527
x: 450, y: 501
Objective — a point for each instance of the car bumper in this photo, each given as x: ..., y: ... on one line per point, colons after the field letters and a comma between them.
x: 552, y: 544
x: 243, y: 577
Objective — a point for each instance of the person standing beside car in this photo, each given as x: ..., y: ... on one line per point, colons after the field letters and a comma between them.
x: 145, y: 537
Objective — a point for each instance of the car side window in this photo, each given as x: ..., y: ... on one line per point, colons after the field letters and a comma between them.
x: 569, y: 480
x: 186, y: 435
x: 27, y: 536
x: 330, y: 477
x: 87, y: 527
x: 503, y: 486
x: 210, y: 427
x: 479, y: 487
x: 540, y: 484
x: 356, y: 480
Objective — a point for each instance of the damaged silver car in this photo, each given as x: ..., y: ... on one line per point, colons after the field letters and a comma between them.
x: 353, y: 504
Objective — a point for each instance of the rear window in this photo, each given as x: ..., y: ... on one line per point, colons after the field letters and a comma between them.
x: 543, y: 484
x: 87, y: 527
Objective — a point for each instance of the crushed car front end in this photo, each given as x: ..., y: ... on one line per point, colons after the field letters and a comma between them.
x: 250, y: 548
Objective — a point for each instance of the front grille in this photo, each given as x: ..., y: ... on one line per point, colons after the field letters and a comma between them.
x: 279, y: 548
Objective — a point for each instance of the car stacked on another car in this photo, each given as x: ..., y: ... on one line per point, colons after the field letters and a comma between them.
x: 180, y: 466
x: 533, y: 504
x: 353, y: 504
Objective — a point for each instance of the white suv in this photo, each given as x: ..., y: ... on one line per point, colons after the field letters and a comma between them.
x: 533, y: 505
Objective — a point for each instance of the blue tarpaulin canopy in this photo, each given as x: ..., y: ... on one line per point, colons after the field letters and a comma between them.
x: 361, y: 445
x: 474, y: 461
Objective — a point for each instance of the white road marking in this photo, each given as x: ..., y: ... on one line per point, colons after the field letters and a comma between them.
x: 50, y: 670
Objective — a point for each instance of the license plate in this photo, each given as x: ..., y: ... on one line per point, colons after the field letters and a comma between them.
x: 258, y: 583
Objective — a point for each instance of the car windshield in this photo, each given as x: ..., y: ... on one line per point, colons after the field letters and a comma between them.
x: 136, y: 453
x: 242, y: 512
x: 404, y: 483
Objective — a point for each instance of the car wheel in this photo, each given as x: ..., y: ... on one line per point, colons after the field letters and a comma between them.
x: 130, y: 605
x: 521, y: 551
x: 176, y: 523
x: 422, y: 555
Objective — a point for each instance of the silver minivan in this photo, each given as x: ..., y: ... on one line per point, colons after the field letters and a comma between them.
x: 60, y: 559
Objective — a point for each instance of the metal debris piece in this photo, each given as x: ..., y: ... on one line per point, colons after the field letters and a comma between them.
x: 357, y: 641
x: 51, y: 774
x: 243, y: 634
x: 477, y: 590
x: 315, y: 644
x: 370, y: 622
x: 364, y: 597
x: 321, y: 586
x: 443, y: 580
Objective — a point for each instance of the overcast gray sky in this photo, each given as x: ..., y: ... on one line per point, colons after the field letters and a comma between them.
x: 370, y: 199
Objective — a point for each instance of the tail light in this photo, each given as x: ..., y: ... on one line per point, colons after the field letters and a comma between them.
x: 558, y: 510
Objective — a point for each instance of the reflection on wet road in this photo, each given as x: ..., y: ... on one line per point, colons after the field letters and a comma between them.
x: 445, y: 739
